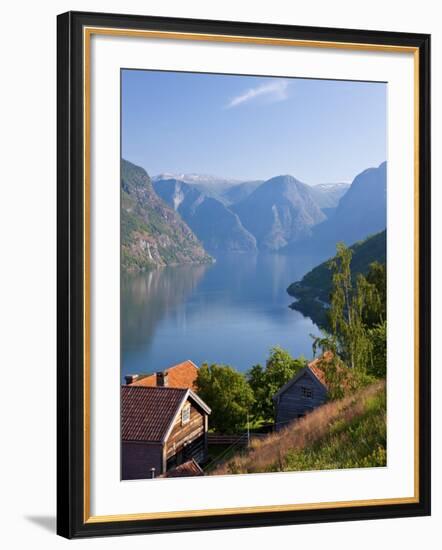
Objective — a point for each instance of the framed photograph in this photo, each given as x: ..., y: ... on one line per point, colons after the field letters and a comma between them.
x: 243, y: 274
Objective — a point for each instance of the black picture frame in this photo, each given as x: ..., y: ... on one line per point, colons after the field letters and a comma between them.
x: 71, y: 498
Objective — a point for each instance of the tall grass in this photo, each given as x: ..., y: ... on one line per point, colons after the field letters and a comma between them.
x: 349, y: 433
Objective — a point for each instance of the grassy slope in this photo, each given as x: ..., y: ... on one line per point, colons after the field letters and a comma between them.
x: 349, y: 433
x: 315, y: 286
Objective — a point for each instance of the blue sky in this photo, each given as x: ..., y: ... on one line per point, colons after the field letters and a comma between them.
x: 242, y: 127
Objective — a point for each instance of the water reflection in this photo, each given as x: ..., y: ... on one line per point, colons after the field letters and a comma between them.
x: 146, y: 298
x: 231, y: 312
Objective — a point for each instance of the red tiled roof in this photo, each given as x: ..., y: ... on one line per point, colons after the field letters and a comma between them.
x: 147, y: 413
x: 182, y: 375
x: 316, y: 366
x: 187, y: 469
x: 320, y: 374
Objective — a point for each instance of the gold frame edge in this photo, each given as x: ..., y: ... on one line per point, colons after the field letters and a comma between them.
x: 87, y: 33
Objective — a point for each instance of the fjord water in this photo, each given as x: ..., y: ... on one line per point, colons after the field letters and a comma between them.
x: 230, y: 312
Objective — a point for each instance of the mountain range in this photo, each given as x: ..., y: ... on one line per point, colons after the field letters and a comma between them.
x: 212, y: 186
x: 217, y: 227
x: 280, y: 211
x: 189, y: 216
x: 152, y: 233
x: 361, y: 211
x: 239, y: 192
x: 328, y: 195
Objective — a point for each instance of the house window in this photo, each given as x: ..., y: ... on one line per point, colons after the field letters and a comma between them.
x: 307, y: 392
x: 185, y: 414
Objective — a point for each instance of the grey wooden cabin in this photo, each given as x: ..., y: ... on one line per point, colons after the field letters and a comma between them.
x: 299, y: 396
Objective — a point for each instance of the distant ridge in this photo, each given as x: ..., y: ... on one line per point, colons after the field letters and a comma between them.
x: 361, y: 211
x: 279, y: 214
x: 215, y: 225
x: 196, y: 178
x: 280, y: 211
x: 212, y: 186
x: 328, y: 195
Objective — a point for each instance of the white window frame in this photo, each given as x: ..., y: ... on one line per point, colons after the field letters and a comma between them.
x: 185, y: 414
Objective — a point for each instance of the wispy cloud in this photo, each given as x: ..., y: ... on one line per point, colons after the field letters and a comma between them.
x: 272, y: 91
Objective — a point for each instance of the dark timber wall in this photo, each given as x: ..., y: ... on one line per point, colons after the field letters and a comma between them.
x: 138, y: 459
x: 301, y: 397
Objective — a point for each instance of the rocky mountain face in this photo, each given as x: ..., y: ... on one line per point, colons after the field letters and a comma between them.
x: 279, y: 212
x: 240, y: 191
x: 328, y: 195
x: 170, y: 220
x: 152, y: 233
x: 361, y: 212
x: 215, y: 225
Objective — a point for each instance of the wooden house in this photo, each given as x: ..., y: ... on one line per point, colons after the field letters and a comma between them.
x: 191, y: 468
x: 300, y: 395
x: 182, y: 375
x: 161, y: 429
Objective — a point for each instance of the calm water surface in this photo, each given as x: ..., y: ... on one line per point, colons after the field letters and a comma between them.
x: 230, y: 312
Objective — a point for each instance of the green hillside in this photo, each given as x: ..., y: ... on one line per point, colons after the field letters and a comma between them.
x: 313, y: 290
x: 349, y: 433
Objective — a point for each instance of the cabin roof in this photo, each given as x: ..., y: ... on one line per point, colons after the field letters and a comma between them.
x: 187, y: 469
x: 182, y: 375
x: 148, y: 414
x: 314, y: 368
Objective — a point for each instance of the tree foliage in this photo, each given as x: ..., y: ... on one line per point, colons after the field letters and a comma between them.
x: 357, y: 319
x: 228, y: 395
x: 376, y: 310
x: 265, y: 382
x: 356, y: 307
x: 378, y: 363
